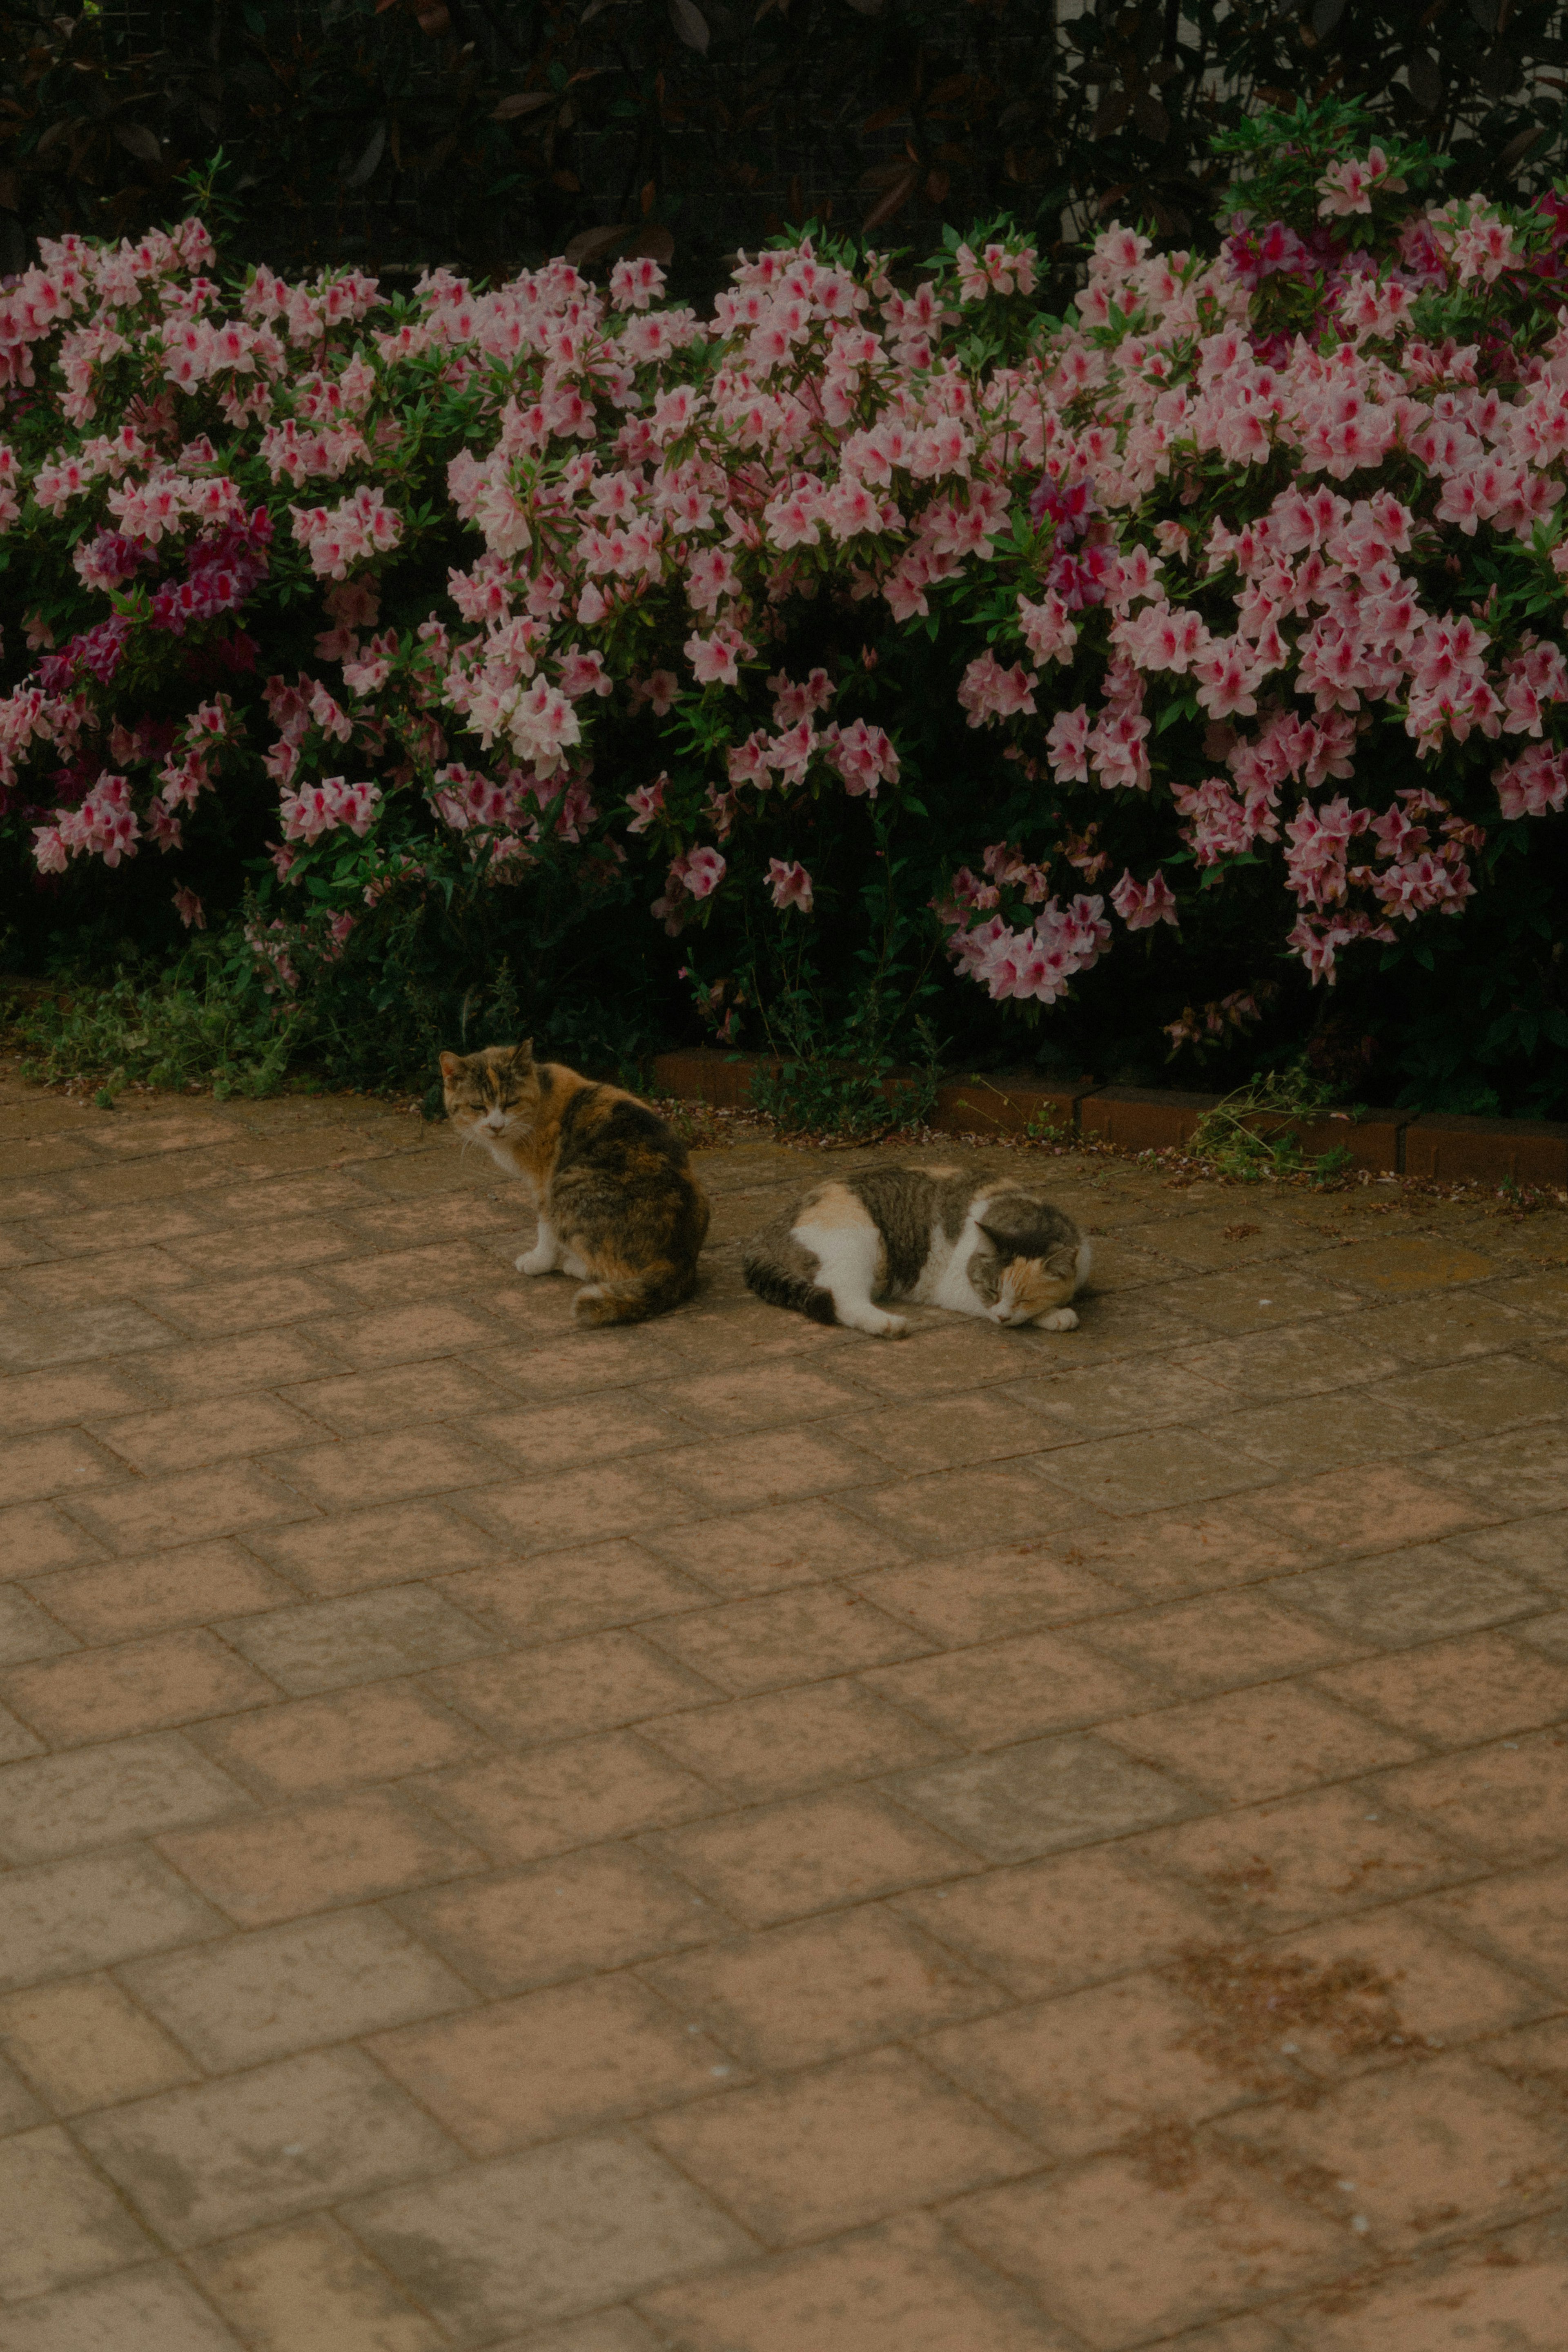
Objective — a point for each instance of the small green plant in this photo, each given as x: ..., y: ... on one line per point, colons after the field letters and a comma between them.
x: 202, y: 1023
x: 855, y: 1097
x: 1244, y: 1137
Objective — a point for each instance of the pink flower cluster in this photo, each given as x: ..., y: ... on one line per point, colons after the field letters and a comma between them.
x: 316, y: 809
x: 1175, y: 569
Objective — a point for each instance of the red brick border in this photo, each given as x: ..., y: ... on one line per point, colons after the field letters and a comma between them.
x: 1153, y: 1118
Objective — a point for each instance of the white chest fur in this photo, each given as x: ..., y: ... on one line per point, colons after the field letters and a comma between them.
x: 945, y: 1277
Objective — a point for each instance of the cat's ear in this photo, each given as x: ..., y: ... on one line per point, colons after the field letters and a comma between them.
x: 450, y: 1065
x: 523, y: 1054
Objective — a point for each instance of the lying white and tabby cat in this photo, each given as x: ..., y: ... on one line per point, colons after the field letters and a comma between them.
x: 933, y: 1235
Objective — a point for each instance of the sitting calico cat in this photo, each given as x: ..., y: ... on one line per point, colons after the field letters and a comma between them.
x: 618, y: 1205
x: 934, y: 1235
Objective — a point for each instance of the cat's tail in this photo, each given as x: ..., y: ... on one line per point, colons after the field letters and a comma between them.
x: 781, y: 1289
x: 631, y: 1297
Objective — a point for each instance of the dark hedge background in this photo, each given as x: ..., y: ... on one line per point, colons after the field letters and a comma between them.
x: 489, y: 134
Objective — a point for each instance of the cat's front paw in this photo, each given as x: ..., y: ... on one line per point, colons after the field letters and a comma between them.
x: 1063, y: 1319
x: 535, y: 1261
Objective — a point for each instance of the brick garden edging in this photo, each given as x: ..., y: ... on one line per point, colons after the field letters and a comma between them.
x: 1452, y: 1149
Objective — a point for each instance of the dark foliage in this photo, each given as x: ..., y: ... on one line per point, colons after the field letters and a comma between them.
x: 489, y: 134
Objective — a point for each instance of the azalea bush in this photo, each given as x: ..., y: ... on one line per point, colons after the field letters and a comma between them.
x: 1183, y: 674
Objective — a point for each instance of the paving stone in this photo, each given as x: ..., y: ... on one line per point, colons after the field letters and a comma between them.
x: 354, y: 1551
x: 578, y: 1507
x: 1475, y: 1686
x: 98, y: 1796
x: 595, y: 1683
x: 938, y: 1512
x: 308, y: 2287
x: 280, y: 1989
x: 574, y: 1590
x: 196, y: 1371
x: 314, y: 1747
x: 1409, y: 1596
x: 279, y: 2140
x: 309, y: 1857
x: 620, y: 2330
x: 902, y: 2286
x: 1042, y: 1795
x: 1161, y: 1555
x: 1282, y: 1865
x: 147, y: 1512
x: 1508, y: 1801
x: 1495, y: 2295
x: 853, y: 2142
x: 34, y: 1343
x: 825, y: 1987
x: 1383, y: 1504
x: 215, y: 1430
x: 1520, y: 1920
x: 63, y: 1918
x: 795, y: 1636
x: 356, y: 1471
x: 62, y: 2223
x: 1219, y: 1641
x: 783, y: 1544
x: 85, y: 2044
x: 566, y: 2060
x: 1212, y: 2236
x: 1244, y: 1745
x: 1073, y: 1919
x: 156, y: 1595
x: 363, y: 1638
x: 1376, y: 1987
x: 791, y: 1741
x: 359, y: 1404
x: 147, y: 1685
x: 60, y: 1461
x: 36, y: 1537
x: 1430, y: 2152
x: 91, y: 1395
x: 597, y: 1909
x: 809, y: 1853
x: 233, y: 1307
x: 19, y: 2110
x: 144, y: 2310
x: 553, y: 1799
x: 1109, y: 2064
x: 535, y: 2237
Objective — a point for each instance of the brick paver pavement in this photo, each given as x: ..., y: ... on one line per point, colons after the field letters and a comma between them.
x: 733, y: 1836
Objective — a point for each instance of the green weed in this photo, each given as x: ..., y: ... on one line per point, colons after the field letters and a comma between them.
x: 195, y: 1025
x: 1235, y: 1147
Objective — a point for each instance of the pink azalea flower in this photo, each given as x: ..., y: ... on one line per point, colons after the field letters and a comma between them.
x: 790, y: 885
x: 1142, y: 904
x: 646, y: 803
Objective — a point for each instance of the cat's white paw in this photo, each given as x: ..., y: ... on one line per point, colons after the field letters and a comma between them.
x: 1063, y: 1319
x: 856, y: 1318
x: 535, y: 1261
